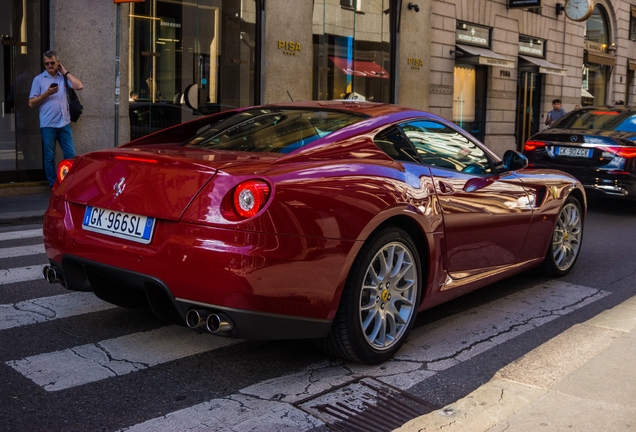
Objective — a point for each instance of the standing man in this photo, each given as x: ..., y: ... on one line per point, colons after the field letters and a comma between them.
x: 48, y: 92
x: 556, y: 113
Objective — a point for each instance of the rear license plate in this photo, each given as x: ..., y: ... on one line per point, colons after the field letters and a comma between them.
x: 117, y: 224
x: 574, y: 152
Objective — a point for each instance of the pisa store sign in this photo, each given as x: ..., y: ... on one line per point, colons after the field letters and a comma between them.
x: 523, y: 4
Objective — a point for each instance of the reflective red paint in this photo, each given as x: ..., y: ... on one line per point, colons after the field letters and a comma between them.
x: 309, y: 217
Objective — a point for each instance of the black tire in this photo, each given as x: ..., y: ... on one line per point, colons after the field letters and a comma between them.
x: 565, y: 243
x: 378, y: 308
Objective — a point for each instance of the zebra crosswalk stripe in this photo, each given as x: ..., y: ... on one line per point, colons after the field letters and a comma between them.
x: 443, y: 344
x: 115, y: 357
x: 15, y: 235
x: 50, y: 308
x: 20, y: 274
x: 270, y: 404
x: 21, y: 251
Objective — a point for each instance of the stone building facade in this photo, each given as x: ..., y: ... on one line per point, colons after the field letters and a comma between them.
x: 489, y: 66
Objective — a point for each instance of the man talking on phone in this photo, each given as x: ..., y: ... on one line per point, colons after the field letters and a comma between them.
x: 48, y: 92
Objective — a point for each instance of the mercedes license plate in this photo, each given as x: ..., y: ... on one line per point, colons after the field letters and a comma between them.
x: 117, y: 224
x: 575, y: 152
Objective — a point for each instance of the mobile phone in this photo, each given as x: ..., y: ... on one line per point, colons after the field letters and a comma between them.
x: 54, y: 85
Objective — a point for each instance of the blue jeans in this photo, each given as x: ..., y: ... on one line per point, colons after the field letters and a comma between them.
x: 65, y: 137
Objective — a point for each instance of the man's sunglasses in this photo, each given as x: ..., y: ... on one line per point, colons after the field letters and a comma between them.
x: 49, y: 63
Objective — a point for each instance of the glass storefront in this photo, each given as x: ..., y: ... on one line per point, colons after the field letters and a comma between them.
x: 473, y: 59
x: 352, y: 50
x: 528, y: 106
x: 598, y: 64
x: 469, y: 98
x: 189, y: 58
x: 595, y: 77
x: 21, y: 27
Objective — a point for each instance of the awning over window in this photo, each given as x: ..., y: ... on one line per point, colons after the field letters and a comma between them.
x: 484, y: 56
x: 359, y: 68
x: 587, y: 94
x: 599, y: 58
x: 545, y: 67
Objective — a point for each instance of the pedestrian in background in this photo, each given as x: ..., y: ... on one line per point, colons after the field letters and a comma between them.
x: 556, y: 113
x: 48, y: 92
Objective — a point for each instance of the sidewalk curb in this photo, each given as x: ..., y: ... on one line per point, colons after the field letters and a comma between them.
x: 22, y: 218
x: 531, y: 377
x: 21, y: 189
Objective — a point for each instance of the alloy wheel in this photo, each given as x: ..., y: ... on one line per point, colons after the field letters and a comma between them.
x: 566, y: 239
x: 388, y: 295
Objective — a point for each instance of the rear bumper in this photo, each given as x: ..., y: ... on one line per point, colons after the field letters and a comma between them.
x: 599, y: 181
x: 273, y: 287
x: 617, y: 190
x: 134, y: 290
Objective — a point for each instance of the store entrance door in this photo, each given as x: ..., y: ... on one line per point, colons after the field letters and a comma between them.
x: 528, y: 110
x: 20, y: 61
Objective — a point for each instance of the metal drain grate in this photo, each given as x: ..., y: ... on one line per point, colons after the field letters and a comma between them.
x: 366, y: 405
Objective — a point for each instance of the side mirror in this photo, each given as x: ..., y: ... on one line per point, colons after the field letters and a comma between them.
x: 514, y: 160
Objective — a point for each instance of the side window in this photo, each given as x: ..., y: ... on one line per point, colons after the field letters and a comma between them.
x: 440, y: 146
x: 394, y: 143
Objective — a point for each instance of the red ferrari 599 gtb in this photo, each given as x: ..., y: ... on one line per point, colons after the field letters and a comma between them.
x: 334, y: 221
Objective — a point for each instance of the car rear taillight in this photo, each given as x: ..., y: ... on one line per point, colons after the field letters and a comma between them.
x: 624, y: 152
x: 63, y: 169
x: 533, y: 145
x: 246, y: 200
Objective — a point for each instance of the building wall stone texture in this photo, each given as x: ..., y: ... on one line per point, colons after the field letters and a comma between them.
x: 84, y: 33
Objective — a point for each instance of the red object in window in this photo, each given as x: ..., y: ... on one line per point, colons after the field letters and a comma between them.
x: 359, y: 68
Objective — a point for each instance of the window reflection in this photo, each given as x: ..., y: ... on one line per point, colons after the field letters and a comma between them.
x: 443, y: 147
x: 464, y: 94
x: 351, y: 45
x: 469, y: 99
x: 596, y: 72
x: 175, y: 60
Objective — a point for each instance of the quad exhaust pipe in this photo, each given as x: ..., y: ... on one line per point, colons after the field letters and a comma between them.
x: 51, y: 275
x: 210, y: 321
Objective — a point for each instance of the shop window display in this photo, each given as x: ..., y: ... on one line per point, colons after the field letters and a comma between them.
x: 175, y: 59
x: 352, y: 50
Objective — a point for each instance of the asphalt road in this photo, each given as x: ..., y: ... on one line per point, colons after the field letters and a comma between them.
x: 71, y: 362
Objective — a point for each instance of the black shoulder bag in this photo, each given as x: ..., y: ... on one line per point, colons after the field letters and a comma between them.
x: 75, y: 108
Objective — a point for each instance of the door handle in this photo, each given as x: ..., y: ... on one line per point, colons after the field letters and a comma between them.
x: 445, y: 188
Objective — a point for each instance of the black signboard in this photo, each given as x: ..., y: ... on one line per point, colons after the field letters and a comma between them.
x: 472, y: 34
x: 524, y: 4
x: 531, y: 46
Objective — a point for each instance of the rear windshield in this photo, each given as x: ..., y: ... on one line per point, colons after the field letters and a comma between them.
x: 272, y: 130
x: 599, y: 119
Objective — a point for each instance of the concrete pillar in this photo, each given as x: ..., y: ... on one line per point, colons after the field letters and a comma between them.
x: 414, y: 56
x: 84, y: 33
x: 287, y: 51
